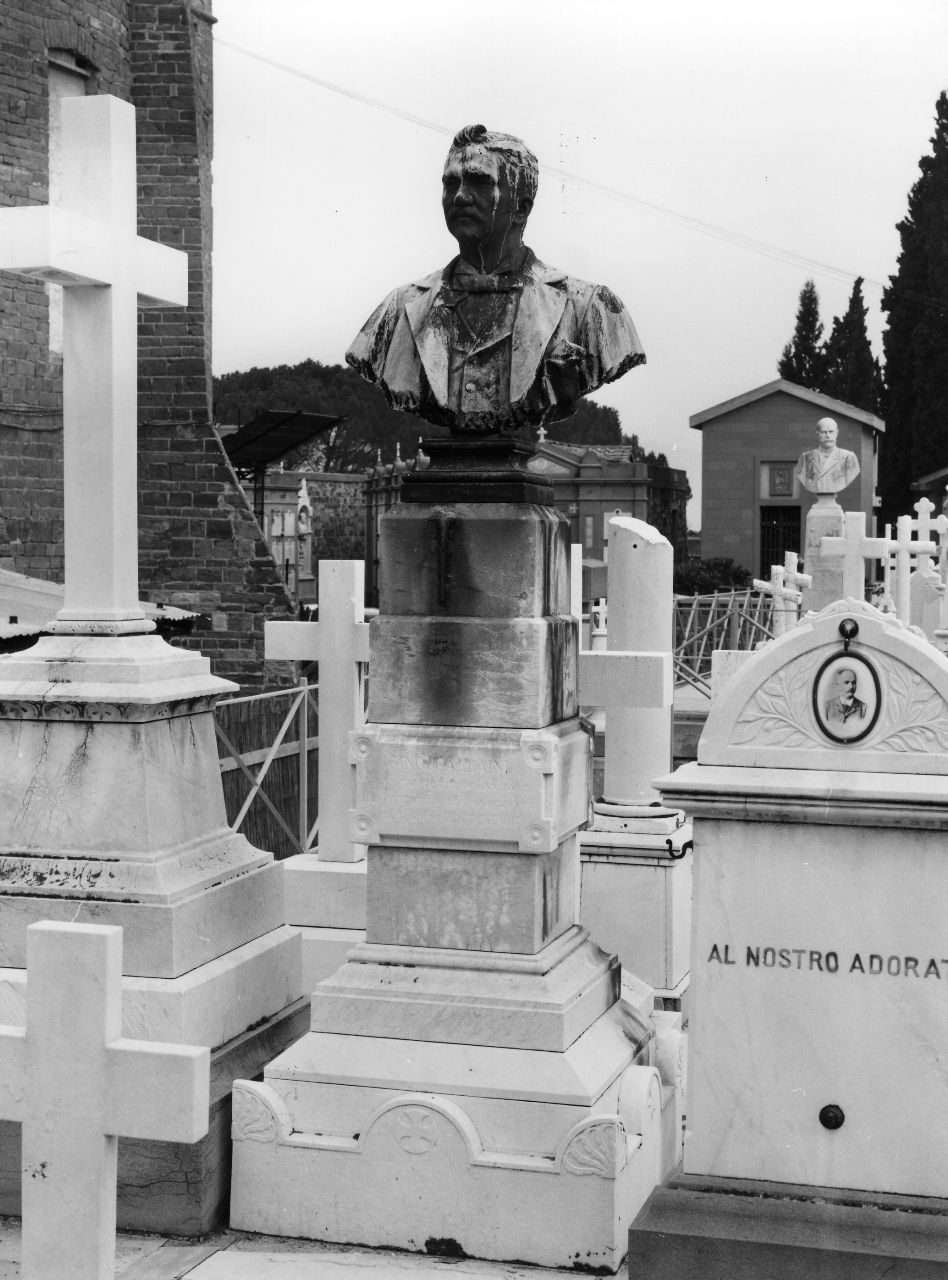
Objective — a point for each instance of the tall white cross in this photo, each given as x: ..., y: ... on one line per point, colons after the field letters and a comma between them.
x: 77, y: 1085
x: 87, y: 242
x: 339, y: 642
x: 854, y: 548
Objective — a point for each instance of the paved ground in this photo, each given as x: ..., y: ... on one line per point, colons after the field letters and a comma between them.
x: 231, y: 1255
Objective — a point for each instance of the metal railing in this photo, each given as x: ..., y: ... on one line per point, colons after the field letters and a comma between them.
x: 268, y: 759
x: 723, y: 620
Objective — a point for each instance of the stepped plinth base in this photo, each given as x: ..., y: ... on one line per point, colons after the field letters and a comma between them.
x: 731, y: 1229
x: 509, y: 1153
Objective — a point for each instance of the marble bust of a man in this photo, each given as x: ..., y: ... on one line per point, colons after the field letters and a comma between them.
x: 827, y: 468
x: 495, y: 340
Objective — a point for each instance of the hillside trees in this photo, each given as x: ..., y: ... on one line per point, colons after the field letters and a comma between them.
x: 370, y: 425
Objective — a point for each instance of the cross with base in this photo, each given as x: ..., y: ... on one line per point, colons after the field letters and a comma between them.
x: 785, y: 587
x: 339, y: 642
x: 76, y: 1084
x: 88, y: 244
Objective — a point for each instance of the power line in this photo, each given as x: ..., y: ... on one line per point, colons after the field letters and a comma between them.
x: 736, y: 238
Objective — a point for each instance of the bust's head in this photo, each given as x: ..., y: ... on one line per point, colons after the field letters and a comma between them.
x: 487, y: 192
x: 826, y: 432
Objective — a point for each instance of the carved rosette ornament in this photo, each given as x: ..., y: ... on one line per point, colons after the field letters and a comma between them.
x: 255, y: 1116
x: 598, y: 1149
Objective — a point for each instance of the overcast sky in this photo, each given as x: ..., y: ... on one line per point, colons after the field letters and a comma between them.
x: 743, y: 146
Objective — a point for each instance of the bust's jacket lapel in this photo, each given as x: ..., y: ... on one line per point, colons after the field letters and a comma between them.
x: 542, y: 303
x: 430, y: 322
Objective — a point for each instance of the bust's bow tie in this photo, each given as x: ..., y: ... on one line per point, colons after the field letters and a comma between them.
x: 469, y: 280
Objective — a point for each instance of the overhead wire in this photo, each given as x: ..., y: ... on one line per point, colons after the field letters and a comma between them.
x: 688, y: 221
x: 646, y: 206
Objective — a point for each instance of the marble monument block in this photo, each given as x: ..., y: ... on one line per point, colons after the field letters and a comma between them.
x: 511, y: 562
x: 501, y: 672
x: 818, y: 981
x: 471, y: 900
x: 500, y: 789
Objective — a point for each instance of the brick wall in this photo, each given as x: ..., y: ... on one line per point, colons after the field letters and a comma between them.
x: 200, y: 545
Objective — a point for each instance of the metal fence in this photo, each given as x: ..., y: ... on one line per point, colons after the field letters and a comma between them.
x: 269, y: 754
x: 268, y: 743
x: 724, y: 620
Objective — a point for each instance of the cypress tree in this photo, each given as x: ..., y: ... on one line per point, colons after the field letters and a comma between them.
x: 802, y: 358
x: 850, y: 371
x: 916, y: 339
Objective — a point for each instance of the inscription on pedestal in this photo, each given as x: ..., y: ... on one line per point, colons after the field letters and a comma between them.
x: 501, y: 789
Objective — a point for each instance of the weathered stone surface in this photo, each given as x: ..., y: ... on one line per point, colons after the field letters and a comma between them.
x: 511, y: 561
x: 541, y: 1001
x: 507, y: 789
x: 502, y: 672
x: 162, y: 940
x: 470, y: 900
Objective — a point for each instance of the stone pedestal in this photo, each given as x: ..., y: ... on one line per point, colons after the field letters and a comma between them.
x: 473, y: 1078
x: 636, y: 900
x: 112, y: 812
x: 819, y: 882
x: 825, y: 519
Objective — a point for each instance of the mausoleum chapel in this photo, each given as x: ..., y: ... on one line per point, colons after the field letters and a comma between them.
x: 394, y: 872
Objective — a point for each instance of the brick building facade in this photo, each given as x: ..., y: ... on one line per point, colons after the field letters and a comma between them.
x: 200, y: 546
x: 753, y: 509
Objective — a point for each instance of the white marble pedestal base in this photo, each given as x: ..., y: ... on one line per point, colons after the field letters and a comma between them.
x: 388, y: 1125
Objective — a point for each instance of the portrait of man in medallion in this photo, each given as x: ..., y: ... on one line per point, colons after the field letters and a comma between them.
x: 845, y: 706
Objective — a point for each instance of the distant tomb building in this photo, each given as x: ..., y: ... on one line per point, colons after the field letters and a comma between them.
x: 592, y: 483
x: 753, y: 507
x: 200, y: 547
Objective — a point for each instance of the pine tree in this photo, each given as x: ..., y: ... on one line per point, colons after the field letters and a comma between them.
x: 802, y: 358
x: 850, y: 371
x: 916, y: 339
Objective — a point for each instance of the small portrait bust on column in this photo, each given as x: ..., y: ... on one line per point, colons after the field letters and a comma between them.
x: 496, y: 339
x: 827, y: 468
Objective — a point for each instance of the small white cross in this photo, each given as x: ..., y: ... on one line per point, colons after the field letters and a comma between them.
x: 926, y: 527
x: 785, y: 587
x: 339, y: 642
x: 77, y: 1085
x: 88, y: 244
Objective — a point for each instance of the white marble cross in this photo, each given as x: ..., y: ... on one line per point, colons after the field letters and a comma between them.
x: 339, y: 642
x: 636, y: 686
x: 854, y: 548
x: 76, y: 1085
x: 926, y: 527
x: 785, y: 586
x: 88, y: 244
x: 905, y: 549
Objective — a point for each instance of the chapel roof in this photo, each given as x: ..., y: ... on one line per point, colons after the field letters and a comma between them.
x: 706, y: 416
